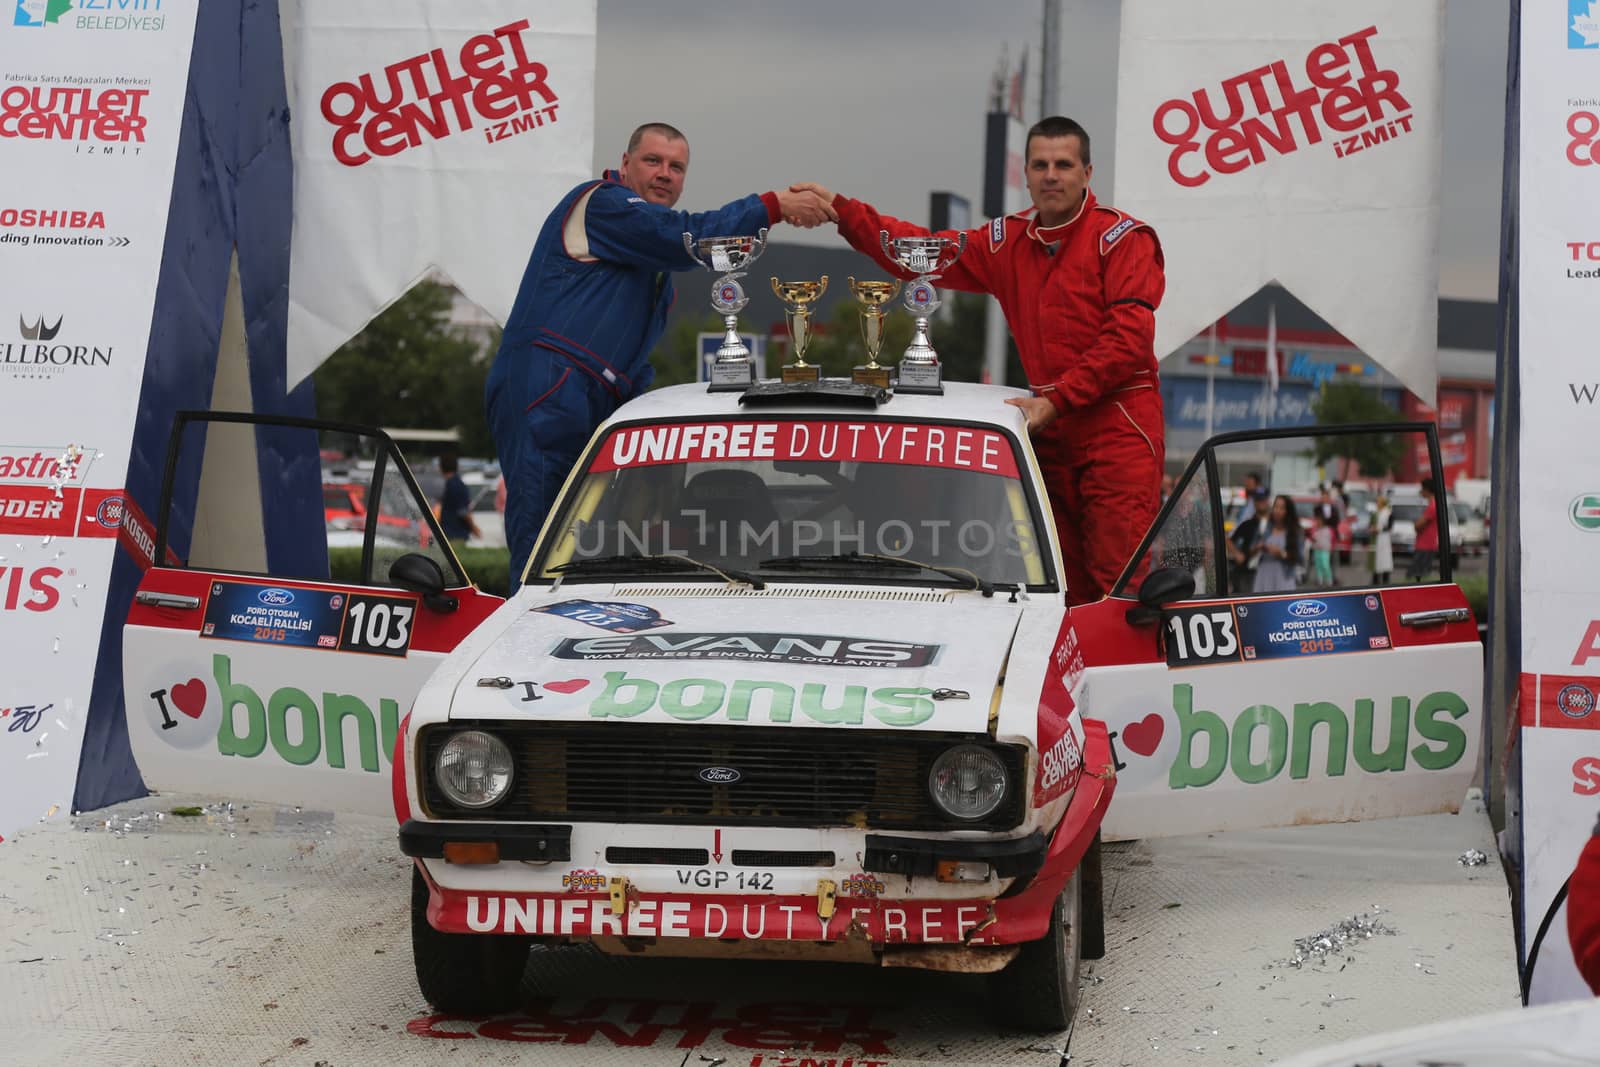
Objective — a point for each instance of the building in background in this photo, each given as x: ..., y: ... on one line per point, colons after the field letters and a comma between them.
x: 1310, y: 353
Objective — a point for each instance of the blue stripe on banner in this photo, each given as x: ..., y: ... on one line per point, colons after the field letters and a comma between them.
x: 233, y: 185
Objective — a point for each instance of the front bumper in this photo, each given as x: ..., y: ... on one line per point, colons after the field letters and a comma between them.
x: 862, y: 910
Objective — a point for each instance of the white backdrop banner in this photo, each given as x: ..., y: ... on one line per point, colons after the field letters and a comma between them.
x: 1297, y: 143
x: 426, y: 135
x: 91, y: 103
x: 1559, y: 483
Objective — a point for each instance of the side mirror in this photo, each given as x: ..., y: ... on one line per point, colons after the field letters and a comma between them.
x: 1166, y: 585
x: 420, y: 574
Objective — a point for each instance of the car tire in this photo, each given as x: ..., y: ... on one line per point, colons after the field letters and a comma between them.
x: 465, y: 974
x: 1093, y: 943
x: 1037, y: 992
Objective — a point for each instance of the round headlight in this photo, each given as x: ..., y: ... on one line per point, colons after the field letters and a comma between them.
x: 967, y: 782
x: 474, y: 769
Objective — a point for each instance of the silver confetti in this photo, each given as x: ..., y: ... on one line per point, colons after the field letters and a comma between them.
x: 1472, y: 858
x: 1338, y: 939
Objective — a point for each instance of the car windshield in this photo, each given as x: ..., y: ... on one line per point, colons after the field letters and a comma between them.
x: 805, y: 500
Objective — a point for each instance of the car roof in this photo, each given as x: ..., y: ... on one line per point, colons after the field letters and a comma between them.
x: 961, y: 402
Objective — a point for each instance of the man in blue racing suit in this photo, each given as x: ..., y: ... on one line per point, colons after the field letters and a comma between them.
x: 592, y: 304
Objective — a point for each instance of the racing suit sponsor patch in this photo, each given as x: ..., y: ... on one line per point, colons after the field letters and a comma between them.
x: 1113, y: 235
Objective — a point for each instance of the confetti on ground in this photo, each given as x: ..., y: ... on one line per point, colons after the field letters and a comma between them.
x: 1338, y: 938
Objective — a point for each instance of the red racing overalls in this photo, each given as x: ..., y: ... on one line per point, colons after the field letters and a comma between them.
x: 1080, y: 299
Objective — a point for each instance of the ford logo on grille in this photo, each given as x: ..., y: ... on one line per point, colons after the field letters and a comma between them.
x: 276, y: 597
x: 720, y: 775
x: 1307, y: 609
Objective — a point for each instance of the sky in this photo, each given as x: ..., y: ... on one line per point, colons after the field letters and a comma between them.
x: 884, y: 100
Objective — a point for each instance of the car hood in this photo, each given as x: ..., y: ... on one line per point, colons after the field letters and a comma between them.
x: 752, y: 659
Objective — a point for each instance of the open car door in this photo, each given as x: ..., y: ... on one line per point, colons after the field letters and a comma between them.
x: 1255, y: 689
x: 287, y: 682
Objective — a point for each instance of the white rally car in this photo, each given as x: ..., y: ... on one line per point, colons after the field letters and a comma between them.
x: 792, y: 675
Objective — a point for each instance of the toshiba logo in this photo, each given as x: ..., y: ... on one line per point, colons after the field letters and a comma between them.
x: 52, y: 218
x: 493, y: 83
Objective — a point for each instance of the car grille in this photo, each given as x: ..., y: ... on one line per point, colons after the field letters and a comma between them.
x: 787, y: 776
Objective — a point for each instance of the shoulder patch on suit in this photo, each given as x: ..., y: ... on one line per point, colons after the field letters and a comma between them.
x: 574, y: 229
x: 997, y: 233
x: 635, y: 199
x: 1117, y: 232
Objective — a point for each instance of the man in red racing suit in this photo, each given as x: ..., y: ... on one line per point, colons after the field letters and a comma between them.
x: 1079, y: 283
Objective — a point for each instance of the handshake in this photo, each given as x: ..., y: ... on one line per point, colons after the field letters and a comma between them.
x: 807, y: 205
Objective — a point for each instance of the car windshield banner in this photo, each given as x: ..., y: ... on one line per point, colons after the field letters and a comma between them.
x: 912, y: 443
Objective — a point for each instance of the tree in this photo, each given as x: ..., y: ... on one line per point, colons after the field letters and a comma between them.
x: 1345, y: 403
x: 411, y: 368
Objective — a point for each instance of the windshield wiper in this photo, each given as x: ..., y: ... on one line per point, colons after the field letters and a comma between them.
x: 875, y: 561
x: 635, y: 563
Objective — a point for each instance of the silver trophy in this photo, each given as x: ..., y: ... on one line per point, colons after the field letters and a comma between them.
x: 927, y: 257
x: 732, y: 370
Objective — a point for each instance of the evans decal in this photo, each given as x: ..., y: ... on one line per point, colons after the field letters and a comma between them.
x: 858, y: 442
x: 1262, y: 741
x: 815, y: 649
x: 1346, y: 97
x: 425, y: 98
x: 300, y: 728
x: 691, y: 699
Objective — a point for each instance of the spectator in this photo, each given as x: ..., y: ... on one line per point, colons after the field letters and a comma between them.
x: 1279, y: 551
x: 1247, y: 510
x: 1382, y: 542
x: 1243, y: 551
x: 455, y: 505
x: 1425, y: 552
x: 1322, y: 552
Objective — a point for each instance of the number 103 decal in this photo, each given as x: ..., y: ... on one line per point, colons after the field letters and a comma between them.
x: 1201, y: 635
x: 378, y: 624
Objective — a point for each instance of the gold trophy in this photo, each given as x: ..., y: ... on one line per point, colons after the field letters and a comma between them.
x: 797, y: 299
x: 873, y: 296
